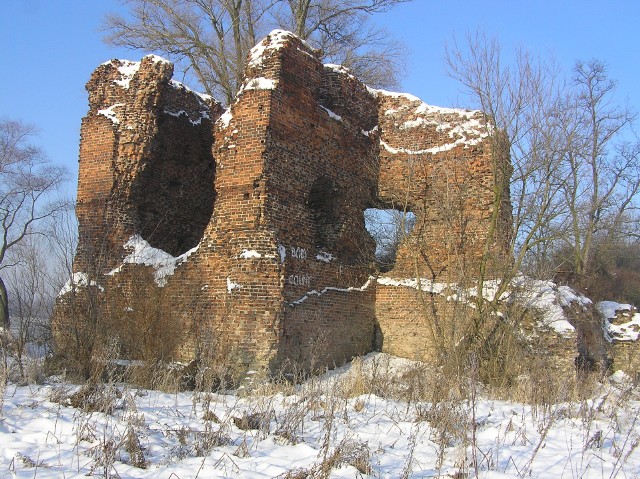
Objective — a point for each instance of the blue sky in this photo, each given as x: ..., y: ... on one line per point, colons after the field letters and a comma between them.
x: 49, y: 48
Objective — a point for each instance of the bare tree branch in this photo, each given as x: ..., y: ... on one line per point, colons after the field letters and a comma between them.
x: 212, y: 38
x: 26, y: 181
x: 573, y: 179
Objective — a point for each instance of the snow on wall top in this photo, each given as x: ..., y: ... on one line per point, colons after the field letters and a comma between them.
x: 622, y: 322
x: 344, y: 70
x: 544, y: 296
x: 406, y: 112
x: 203, y: 97
x: 550, y: 300
x: 275, y: 40
x: 203, y: 100
x: 78, y: 279
x: 128, y: 69
x: 111, y: 112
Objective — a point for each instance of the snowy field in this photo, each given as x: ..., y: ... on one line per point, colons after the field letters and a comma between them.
x: 324, y: 428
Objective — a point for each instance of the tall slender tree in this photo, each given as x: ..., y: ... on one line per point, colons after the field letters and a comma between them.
x: 576, y: 174
x: 27, y: 180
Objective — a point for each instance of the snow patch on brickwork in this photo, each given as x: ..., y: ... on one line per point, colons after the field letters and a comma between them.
x: 274, y: 41
x: 370, y: 132
x: 250, y: 253
x: 128, y: 69
x: 550, y: 301
x: 466, y: 142
x: 156, y: 58
x: 111, y: 113
x: 282, y: 251
x: 324, y: 291
x: 422, y: 284
x: 331, y: 114
x: 203, y: 115
x: 544, y: 296
x: 231, y: 285
x: 420, y: 121
x: 225, y: 118
x: 423, y: 108
x: 622, y: 323
x: 324, y: 257
x: 203, y: 97
x: 609, y: 309
x: 339, y: 69
x: 258, y: 83
x: 78, y: 280
x: 464, y: 127
x: 141, y: 252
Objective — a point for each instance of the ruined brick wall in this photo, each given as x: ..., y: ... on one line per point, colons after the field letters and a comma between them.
x: 146, y: 165
x: 324, y: 178
x: 248, y: 226
x: 622, y: 326
x: 445, y: 166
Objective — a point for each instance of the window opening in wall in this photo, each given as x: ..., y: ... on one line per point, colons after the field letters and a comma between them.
x: 388, y: 227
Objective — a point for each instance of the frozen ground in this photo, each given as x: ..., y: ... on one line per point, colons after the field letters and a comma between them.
x: 324, y: 428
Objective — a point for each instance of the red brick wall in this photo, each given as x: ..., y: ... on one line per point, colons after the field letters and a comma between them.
x: 146, y: 164
x: 444, y: 166
x: 273, y: 194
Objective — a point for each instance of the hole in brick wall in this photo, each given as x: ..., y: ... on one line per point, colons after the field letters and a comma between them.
x: 323, y: 203
x: 388, y: 227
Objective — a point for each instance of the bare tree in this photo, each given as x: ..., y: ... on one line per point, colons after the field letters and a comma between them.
x: 27, y: 180
x: 209, y: 39
x: 32, y: 300
x: 389, y: 228
x: 342, y: 32
x: 212, y: 38
x: 572, y: 177
x: 602, y: 173
x: 523, y: 101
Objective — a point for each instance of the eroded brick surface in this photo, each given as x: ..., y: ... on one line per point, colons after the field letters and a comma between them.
x: 146, y: 165
x: 265, y: 204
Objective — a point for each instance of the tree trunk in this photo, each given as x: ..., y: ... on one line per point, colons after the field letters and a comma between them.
x: 4, y: 306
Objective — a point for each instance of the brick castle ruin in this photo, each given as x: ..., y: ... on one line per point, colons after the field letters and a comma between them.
x: 242, y: 231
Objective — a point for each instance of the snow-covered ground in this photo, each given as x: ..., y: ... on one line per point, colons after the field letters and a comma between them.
x: 326, y: 427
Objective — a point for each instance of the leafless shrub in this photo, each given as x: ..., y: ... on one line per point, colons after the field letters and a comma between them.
x: 356, y: 454
x: 449, y: 421
x: 290, y: 423
x: 347, y: 452
x: 210, y: 416
x: 95, y: 398
x: 135, y: 423
x: 159, y: 375
x: 100, y: 393
x: 295, y: 474
x: 205, y: 441
x: 134, y: 449
x: 253, y: 421
x: 104, y: 456
x: 28, y: 462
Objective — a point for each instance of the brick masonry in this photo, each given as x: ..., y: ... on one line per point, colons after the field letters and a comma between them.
x: 244, y: 229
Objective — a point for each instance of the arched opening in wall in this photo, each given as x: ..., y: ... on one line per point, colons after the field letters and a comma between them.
x: 388, y: 227
x: 323, y: 202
